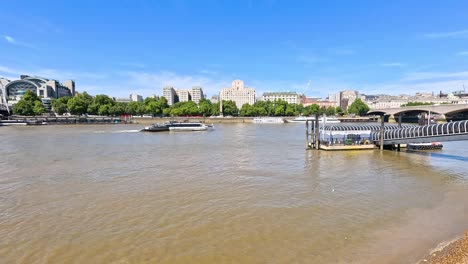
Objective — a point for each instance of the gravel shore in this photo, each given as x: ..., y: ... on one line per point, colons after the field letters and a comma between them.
x: 454, y: 253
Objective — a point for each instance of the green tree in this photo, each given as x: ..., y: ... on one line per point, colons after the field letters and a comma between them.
x: 29, y: 104
x: 184, y: 109
x: 38, y: 108
x: 358, y: 107
x: 132, y: 108
x: 230, y: 108
x: 311, y: 109
x: 152, y: 108
x: 118, y: 109
x: 330, y: 111
x: 215, y: 109
x: 248, y: 110
x: 98, y: 101
x: 105, y: 110
x: 339, y: 110
x: 60, y: 105
x: 78, y: 104
x: 205, y: 107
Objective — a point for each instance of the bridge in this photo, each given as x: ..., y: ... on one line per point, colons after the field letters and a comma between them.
x: 442, y: 111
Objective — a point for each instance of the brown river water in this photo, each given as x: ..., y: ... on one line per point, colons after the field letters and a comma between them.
x: 242, y: 193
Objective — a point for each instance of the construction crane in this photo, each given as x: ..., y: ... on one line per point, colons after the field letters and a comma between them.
x: 307, y: 87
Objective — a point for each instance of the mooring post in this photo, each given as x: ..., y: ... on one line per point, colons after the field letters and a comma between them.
x: 307, y: 134
x: 400, y: 117
x: 317, y: 131
x: 382, y: 130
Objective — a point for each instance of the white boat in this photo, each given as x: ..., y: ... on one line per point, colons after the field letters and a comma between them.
x: 323, y: 119
x: 188, y: 126
x: 268, y: 120
x: 424, y: 146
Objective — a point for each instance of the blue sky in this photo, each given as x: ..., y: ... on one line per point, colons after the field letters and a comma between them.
x: 124, y: 47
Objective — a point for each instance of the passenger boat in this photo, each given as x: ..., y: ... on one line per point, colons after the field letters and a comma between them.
x: 268, y: 120
x: 188, y: 126
x: 156, y: 128
x: 424, y: 146
x: 323, y: 119
x: 176, y: 126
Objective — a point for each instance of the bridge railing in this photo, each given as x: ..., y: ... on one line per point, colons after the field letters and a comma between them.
x: 446, y: 129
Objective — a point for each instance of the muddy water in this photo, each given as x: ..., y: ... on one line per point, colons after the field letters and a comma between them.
x: 242, y: 193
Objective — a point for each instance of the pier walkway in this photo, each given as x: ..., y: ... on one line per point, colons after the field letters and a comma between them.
x: 453, y: 131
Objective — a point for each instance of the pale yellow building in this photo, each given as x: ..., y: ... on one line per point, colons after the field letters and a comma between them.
x: 238, y: 93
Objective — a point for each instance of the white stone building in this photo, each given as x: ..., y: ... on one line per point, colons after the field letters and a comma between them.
x: 290, y: 97
x: 238, y: 93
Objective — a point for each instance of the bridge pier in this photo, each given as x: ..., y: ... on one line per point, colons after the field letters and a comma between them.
x: 392, y: 119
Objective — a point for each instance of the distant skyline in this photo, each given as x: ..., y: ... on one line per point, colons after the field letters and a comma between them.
x: 375, y: 47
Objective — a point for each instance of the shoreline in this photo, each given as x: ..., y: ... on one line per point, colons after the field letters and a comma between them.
x: 455, y: 252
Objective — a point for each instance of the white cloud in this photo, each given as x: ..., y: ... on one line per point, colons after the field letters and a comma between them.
x: 8, y: 70
x: 152, y: 82
x: 10, y: 39
x: 462, y: 53
x: 393, y: 64
x: 13, y: 41
x: 452, y: 34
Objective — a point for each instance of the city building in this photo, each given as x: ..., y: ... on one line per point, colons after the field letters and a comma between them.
x: 347, y: 98
x: 46, y: 89
x: 306, y: 101
x: 389, y: 101
x: 155, y: 97
x: 170, y: 94
x: 290, y: 97
x: 238, y: 93
x: 197, y: 94
x: 183, y: 95
x: 214, y: 99
x: 122, y: 100
x: 136, y: 98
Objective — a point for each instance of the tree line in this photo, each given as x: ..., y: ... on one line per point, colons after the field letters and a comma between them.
x: 83, y: 103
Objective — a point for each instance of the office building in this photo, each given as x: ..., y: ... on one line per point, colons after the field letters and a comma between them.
x: 290, y: 97
x: 238, y: 93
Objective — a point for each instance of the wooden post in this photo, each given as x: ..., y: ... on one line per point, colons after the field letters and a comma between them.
x: 307, y: 134
x: 400, y: 117
x: 317, y: 132
x: 382, y: 130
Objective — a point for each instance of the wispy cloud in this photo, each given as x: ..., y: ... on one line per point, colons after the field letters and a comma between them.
x: 133, y: 64
x: 208, y: 72
x: 462, y: 53
x: 13, y: 41
x: 432, y: 76
x: 309, y: 59
x: 341, y: 51
x: 8, y: 70
x: 393, y: 64
x: 152, y: 82
x: 452, y: 34
x: 10, y: 39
